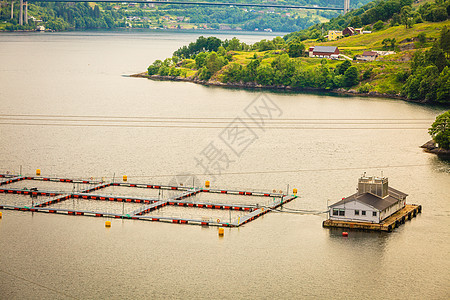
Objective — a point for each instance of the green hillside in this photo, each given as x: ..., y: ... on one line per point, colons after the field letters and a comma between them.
x: 404, y: 36
x: 418, y: 70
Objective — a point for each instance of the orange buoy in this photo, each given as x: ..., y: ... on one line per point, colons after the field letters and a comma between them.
x: 345, y: 234
x: 207, y: 183
x: 221, y: 231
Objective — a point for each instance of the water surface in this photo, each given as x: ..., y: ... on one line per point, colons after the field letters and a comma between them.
x: 279, y: 255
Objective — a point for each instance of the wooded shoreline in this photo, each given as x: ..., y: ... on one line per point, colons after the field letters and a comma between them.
x: 252, y: 85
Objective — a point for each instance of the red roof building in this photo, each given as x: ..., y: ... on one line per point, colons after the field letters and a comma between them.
x: 349, y: 31
x: 323, y: 51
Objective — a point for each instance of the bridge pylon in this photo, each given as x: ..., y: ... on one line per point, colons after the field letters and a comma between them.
x: 26, y: 12
x: 346, y: 6
x: 22, y: 5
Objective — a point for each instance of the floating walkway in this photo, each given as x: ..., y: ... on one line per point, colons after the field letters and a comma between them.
x: 149, y: 205
x: 395, y: 220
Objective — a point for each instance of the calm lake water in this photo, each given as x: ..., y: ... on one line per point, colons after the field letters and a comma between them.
x: 318, y: 144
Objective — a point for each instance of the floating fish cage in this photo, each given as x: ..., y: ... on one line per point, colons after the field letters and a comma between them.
x: 137, y: 201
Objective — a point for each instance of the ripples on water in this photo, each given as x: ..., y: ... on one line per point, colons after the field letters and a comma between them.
x: 278, y: 255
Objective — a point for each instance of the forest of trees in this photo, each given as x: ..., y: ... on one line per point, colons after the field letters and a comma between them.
x: 430, y: 72
x: 294, y: 48
x: 440, y: 130
x: 209, y: 55
x: 285, y: 71
x: 63, y: 16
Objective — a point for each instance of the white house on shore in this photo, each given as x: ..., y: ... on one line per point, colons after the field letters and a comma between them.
x: 373, y: 202
x: 368, y: 56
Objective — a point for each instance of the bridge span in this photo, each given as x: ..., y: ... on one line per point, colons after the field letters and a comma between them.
x: 204, y: 3
x: 24, y: 4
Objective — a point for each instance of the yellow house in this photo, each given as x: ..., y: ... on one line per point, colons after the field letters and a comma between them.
x: 334, y: 35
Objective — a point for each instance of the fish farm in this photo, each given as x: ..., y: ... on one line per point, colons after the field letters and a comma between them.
x: 137, y: 201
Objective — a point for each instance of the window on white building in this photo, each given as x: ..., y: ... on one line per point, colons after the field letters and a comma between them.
x: 356, y: 212
x: 363, y: 212
x: 374, y: 213
x: 335, y: 212
x: 342, y: 212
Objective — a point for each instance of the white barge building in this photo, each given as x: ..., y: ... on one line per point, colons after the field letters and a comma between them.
x: 375, y: 206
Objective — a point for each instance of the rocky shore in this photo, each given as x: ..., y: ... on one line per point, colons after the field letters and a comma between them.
x: 252, y: 85
x: 431, y: 147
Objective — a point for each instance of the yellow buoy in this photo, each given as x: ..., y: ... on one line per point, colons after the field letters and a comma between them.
x: 108, y: 224
x: 295, y: 191
x: 0, y: 214
x: 221, y: 231
x: 38, y: 172
x: 207, y: 183
x: 125, y: 177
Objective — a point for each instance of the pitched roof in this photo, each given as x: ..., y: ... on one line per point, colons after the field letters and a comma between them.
x: 370, y: 53
x: 396, y: 193
x: 326, y: 49
x: 374, y: 201
x: 350, y: 28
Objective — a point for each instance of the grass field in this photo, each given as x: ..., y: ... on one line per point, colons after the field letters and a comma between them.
x: 359, y: 43
x: 380, y: 76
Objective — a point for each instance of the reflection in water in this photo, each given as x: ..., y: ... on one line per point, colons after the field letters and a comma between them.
x: 360, y: 238
x: 439, y: 163
x: 364, y: 249
x: 445, y: 160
